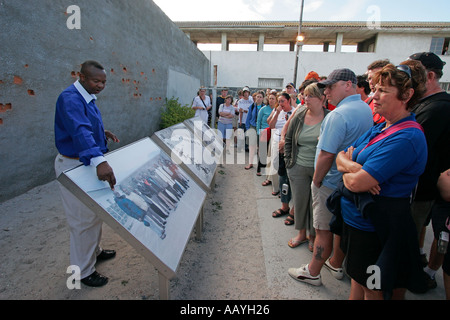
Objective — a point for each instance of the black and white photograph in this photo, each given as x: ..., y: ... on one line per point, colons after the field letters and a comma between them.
x: 153, y: 199
x: 211, y: 138
x: 187, y: 149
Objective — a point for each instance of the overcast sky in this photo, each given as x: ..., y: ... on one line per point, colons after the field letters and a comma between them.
x: 314, y: 10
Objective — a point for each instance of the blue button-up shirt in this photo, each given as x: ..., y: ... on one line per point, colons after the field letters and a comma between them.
x: 252, y: 116
x: 79, y: 131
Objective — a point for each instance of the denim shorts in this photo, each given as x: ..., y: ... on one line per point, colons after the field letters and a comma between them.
x: 225, y: 129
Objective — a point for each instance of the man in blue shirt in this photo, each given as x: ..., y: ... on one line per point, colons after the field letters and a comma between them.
x: 340, y: 128
x: 81, y: 137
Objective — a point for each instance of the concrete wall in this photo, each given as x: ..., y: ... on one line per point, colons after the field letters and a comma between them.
x: 146, y: 56
x: 241, y: 68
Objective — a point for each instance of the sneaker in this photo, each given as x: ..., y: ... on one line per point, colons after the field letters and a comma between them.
x: 302, y: 274
x: 338, y: 273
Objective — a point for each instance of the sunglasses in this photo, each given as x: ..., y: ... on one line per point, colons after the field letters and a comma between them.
x: 406, y: 69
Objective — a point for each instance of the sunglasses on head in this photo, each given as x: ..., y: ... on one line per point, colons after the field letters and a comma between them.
x: 406, y: 69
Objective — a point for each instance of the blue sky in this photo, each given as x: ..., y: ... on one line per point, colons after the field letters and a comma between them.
x: 314, y: 10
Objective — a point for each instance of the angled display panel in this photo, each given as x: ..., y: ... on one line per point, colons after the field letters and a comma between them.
x: 211, y: 138
x: 154, y: 206
x: 187, y: 150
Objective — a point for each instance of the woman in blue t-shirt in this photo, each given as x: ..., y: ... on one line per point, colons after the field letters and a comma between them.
x: 380, y: 172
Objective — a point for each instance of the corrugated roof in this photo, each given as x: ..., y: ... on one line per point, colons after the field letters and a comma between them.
x: 310, y: 24
x: 317, y: 32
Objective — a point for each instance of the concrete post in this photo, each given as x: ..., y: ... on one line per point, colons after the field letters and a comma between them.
x: 224, y: 42
x: 339, y: 39
x: 261, y: 42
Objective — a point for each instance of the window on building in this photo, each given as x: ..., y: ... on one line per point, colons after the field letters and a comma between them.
x: 209, y: 46
x: 274, y: 83
x: 243, y: 47
x: 276, y: 47
x: 367, y: 45
x: 331, y: 48
x: 439, y: 46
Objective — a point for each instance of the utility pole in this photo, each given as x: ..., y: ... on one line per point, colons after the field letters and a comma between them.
x: 299, y: 39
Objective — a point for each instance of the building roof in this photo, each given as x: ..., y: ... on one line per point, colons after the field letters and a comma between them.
x: 316, y: 32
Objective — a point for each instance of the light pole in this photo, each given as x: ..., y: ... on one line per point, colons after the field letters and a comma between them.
x: 300, y: 38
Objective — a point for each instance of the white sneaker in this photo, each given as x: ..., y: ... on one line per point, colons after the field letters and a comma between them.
x: 338, y: 273
x: 302, y: 274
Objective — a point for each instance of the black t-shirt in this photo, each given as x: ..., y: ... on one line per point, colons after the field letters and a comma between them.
x: 433, y: 113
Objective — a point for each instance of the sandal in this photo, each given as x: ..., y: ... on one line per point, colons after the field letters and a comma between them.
x: 249, y: 167
x: 258, y: 174
x: 275, y: 193
x: 278, y: 213
x: 295, y: 243
x: 266, y: 183
x: 289, y: 220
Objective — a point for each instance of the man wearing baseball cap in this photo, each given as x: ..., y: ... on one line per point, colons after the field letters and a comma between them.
x: 290, y: 88
x: 341, y: 127
x: 433, y: 113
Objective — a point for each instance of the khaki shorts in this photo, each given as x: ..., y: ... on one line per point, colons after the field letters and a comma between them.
x: 321, y: 215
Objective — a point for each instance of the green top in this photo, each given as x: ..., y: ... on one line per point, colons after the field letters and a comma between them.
x: 307, y: 142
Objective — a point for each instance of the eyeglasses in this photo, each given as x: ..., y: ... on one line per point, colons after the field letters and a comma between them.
x: 406, y: 69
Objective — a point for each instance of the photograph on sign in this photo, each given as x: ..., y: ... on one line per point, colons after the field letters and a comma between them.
x: 154, y: 200
x: 187, y: 149
x: 211, y: 138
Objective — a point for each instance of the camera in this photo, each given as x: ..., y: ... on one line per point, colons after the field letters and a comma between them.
x: 442, y: 242
x: 285, y: 188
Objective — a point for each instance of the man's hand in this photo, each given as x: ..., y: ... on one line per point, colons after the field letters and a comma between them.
x: 105, y: 173
x: 111, y: 136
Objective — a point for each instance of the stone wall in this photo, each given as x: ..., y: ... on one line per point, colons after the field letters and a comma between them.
x: 44, y: 42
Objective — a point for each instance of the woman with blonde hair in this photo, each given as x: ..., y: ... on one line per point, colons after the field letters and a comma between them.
x: 299, y: 152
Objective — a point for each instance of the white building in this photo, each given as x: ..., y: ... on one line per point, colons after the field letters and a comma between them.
x: 326, y: 46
